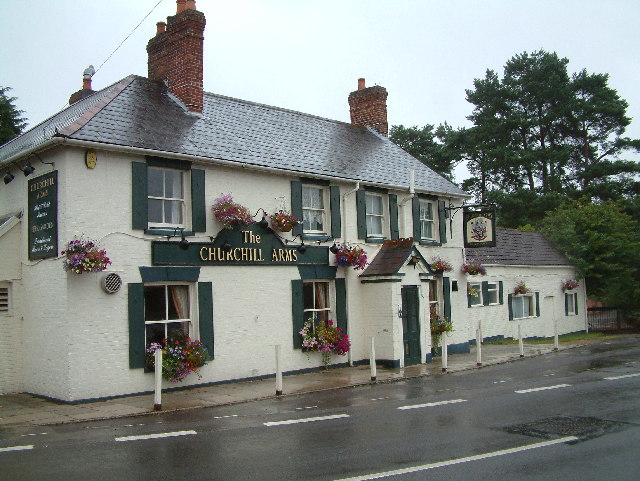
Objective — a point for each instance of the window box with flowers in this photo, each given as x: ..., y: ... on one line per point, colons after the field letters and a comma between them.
x: 180, y: 357
x: 521, y: 288
x: 351, y: 256
x: 230, y: 213
x: 473, y: 268
x: 283, y: 221
x: 82, y: 255
x: 324, y: 337
x: 439, y: 266
x: 439, y: 325
x: 569, y: 284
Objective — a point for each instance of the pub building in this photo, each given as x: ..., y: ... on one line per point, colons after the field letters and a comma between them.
x: 138, y: 167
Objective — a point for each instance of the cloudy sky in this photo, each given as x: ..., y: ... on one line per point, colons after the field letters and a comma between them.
x: 307, y: 55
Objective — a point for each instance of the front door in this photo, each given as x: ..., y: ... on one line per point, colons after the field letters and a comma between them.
x: 411, y: 325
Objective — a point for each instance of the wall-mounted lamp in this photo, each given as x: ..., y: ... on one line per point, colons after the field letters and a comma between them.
x: 334, y: 248
x: 413, y: 261
x: 8, y: 177
x: 28, y: 169
x: 226, y: 245
x: 264, y: 223
x: 184, y: 243
x: 302, y: 248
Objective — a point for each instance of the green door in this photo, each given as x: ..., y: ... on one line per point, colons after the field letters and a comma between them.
x: 411, y: 325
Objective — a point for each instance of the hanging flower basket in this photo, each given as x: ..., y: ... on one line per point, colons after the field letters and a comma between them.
x: 83, y: 255
x: 180, y: 357
x: 230, y: 213
x: 474, y: 268
x: 283, y: 221
x: 326, y: 338
x: 351, y: 256
x: 438, y: 265
x: 521, y: 288
x: 439, y: 325
x: 569, y: 284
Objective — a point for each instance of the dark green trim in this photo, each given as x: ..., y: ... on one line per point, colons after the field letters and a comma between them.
x: 312, y: 181
x: 139, y: 215
x: 510, y: 305
x: 336, y: 218
x: 377, y: 190
x: 296, y: 205
x: 393, y: 216
x: 378, y: 281
x: 198, y: 203
x: 537, y: 304
x: 446, y: 291
x: 341, y: 304
x: 415, y: 214
x: 501, y: 292
x: 135, y: 305
x: 165, y: 163
x: 575, y: 308
x: 161, y: 274
x: 375, y: 240
x: 205, y: 315
x: 317, y: 272
x: 169, y: 232
x: 361, y: 210
x: 297, y: 311
x: 566, y: 304
x: 485, y: 293
x: 442, y: 221
x: 427, y: 196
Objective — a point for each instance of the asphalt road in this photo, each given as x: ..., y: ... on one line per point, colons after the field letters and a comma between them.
x: 570, y: 415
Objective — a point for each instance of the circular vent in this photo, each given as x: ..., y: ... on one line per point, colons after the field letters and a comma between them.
x: 111, y: 283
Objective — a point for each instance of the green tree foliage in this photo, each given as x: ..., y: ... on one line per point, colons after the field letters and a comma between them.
x: 431, y: 145
x: 11, y: 122
x: 603, y: 241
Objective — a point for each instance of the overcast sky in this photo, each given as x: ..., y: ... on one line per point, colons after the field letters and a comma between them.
x: 307, y: 55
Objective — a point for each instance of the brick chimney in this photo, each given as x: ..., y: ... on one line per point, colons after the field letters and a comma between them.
x: 86, y: 86
x: 368, y: 108
x: 175, y: 54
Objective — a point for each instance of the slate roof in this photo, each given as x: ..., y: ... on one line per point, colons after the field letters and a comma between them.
x: 391, y: 257
x: 516, y: 247
x: 137, y: 112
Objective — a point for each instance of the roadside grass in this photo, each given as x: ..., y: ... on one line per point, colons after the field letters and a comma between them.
x: 565, y: 338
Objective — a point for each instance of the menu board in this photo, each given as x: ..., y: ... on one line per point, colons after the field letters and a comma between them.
x: 43, y: 216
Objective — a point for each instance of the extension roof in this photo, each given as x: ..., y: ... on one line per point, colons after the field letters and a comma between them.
x: 516, y: 247
x: 139, y: 113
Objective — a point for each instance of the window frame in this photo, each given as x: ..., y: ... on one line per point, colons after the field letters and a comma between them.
x: 184, y: 208
x: 435, y: 299
x: 380, y: 217
x: 193, y: 328
x: 323, y: 211
x: 489, y: 290
x: 532, y: 305
x: 571, y: 303
x: 479, y: 297
x: 432, y: 207
x: 330, y: 298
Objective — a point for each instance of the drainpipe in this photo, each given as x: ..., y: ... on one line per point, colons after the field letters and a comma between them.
x: 344, y: 226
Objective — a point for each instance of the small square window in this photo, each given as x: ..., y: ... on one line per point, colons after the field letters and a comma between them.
x: 166, y: 312
x: 523, y: 306
x: 317, y: 303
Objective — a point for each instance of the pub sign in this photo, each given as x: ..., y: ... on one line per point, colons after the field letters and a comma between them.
x: 479, y: 226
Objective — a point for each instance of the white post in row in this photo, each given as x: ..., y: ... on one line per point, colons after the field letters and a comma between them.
x: 157, y: 397
x: 555, y: 333
x: 520, y: 340
x: 278, y: 372
x: 478, y: 347
x: 445, y: 352
x: 372, y: 360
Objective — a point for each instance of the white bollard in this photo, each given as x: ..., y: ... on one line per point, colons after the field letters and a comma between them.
x: 278, y: 372
x: 520, y: 340
x: 478, y: 348
x: 445, y: 352
x: 157, y: 398
x: 372, y: 360
x: 555, y: 333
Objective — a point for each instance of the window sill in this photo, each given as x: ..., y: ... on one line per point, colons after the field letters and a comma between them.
x: 375, y: 240
x: 171, y: 232
x: 430, y: 243
x: 315, y: 236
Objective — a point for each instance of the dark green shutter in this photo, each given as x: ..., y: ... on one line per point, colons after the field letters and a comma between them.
x: 446, y: 291
x: 297, y: 309
x: 415, y: 210
x: 485, y: 293
x: 296, y: 205
x: 393, y: 216
x: 336, y: 219
x: 510, y: 303
x: 341, y: 304
x: 469, y: 297
x: 139, y: 219
x: 361, y: 210
x: 575, y: 309
x: 501, y: 292
x: 566, y: 304
x: 442, y: 218
x: 198, y: 203
x: 205, y: 315
x: 136, y: 325
x: 537, y: 304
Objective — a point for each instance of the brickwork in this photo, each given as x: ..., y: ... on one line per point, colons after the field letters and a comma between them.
x: 175, y: 56
x: 368, y: 108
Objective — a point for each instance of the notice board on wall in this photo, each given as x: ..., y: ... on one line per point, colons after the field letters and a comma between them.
x: 43, y: 216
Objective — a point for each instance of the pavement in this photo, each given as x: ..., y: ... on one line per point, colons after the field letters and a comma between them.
x: 29, y: 410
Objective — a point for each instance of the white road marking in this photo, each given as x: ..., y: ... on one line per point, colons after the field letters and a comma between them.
x: 546, y: 388
x: 16, y: 448
x: 452, y: 462
x: 613, y: 378
x: 156, y: 436
x: 225, y: 417
x: 428, y: 405
x: 306, y: 407
x: 306, y: 420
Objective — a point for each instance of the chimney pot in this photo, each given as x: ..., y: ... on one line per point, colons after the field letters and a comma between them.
x: 361, y: 85
x: 162, y: 27
x: 182, y: 4
x: 191, y: 5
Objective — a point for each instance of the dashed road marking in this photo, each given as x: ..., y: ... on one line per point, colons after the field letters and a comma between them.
x: 625, y: 376
x: 16, y: 448
x: 545, y: 388
x: 306, y: 420
x: 156, y: 436
x: 428, y: 405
